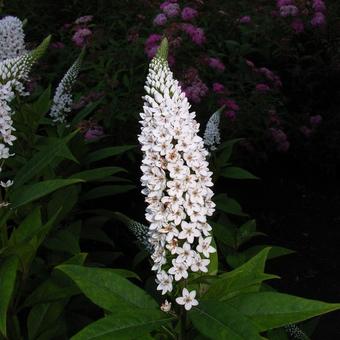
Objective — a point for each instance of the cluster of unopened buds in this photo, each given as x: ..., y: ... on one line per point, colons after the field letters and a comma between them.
x: 176, y: 180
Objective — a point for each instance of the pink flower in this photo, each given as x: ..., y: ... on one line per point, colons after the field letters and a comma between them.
x: 245, y: 19
x: 250, y: 63
x: 81, y: 36
x: 57, y: 45
x: 153, y: 39
x: 306, y: 131
x: 298, y: 26
x: 189, y: 13
x: 84, y: 19
x: 166, y: 3
x: 319, y: 6
x: 262, y: 88
x: 267, y: 73
x: 94, y: 132
x: 280, y: 138
x: 218, y: 88
x: 318, y: 19
x: 171, y: 10
x: 230, y: 115
x: 229, y: 103
x: 193, y: 86
x: 216, y: 64
x: 160, y: 20
x: 289, y: 10
x: 281, y: 3
x: 315, y: 120
x: 198, y: 36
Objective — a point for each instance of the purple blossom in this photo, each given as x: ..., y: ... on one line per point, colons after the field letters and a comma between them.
x: 318, y: 19
x: 160, y: 20
x: 57, y: 45
x: 289, y: 10
x: 298, y: 25
x: 245, y: 19
x: 94, y: 132
x: 81, y: 36
x: 281, y: 3
x: 218, y: 88
x: 188, y: 13
x: 262, y: 88
x: 319, y: 6
x: 306, y: 131
x: 280, y: 138
x: 315, y: 120
x: 230, y: 115
x: 216, y: 64
x: 171, y: 10
x: 84, y: 19
x: 229, y: 103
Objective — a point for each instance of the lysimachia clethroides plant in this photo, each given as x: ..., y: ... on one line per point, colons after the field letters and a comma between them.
x: 177, y: 183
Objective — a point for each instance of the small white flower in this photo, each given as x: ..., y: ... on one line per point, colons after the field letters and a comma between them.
x: 166, y: 306
x: 179, y: 269
x: 189, y: 232
x: 187, y: 299
x: 6, y: 184
x: 212, y: 135
x: 200, y: 264
x: 165, y: 282
x: 204, y: 246
x: 186, y: 254
x: 4, y: 204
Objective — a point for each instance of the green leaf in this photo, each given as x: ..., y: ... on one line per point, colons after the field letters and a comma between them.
x: 246, y: 232
x: 107, y: 190
x: 106, y: 288
x: 32, y: 192
x: 42, y: 317
x: 237, y: 259
x: 228, y: 205
x: 272, y: 310
x: 226, y: 150
x: 56, y: 148
x: 85, y: 112
x: 225, y: 233
x: 124, y: 324
x: 64, y: 241
x: 217, y: 320
x: 8, y: 272
x: 99, y: 173
x: 247, y: 278
x: 107, y: 152
x: 27, y: 228
x: 237, y: 173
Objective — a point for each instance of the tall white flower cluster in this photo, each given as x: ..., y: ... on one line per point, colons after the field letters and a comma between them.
x: 13, y: 73
x: 176, y: 179
x: 12, y: 38
x: 212, y: 136
x: 62, y: 100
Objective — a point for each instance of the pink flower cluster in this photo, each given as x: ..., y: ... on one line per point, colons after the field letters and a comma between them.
x: 276, y: 133
x: 319, y: 8
x: 193, y: 86
x: 314, y: 122
x: 280, y: 138
x: 216, y: 63
x: 290, y: 8
x: 231, y: 107
x: 273, y: 81
x: 82, y: 32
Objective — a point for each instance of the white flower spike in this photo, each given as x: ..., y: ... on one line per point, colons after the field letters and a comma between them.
x: 176, y: 179
x: 212, y: 136
x: 62, y: 100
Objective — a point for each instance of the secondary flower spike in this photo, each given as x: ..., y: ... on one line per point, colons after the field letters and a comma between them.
x: 62, y: 100
x: 12, y: 38
x: 176, y: 179
x: 212, y: 136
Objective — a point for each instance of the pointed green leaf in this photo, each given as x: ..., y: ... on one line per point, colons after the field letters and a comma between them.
x: 108, y: 152
x: 272, y: 310
x: 124, y: 324
x: 106, y: 288
x: 98, y: 173
x: 217, y: 320
x: 237, y: 173
x: 8, y: 272
x: 30, y: 193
